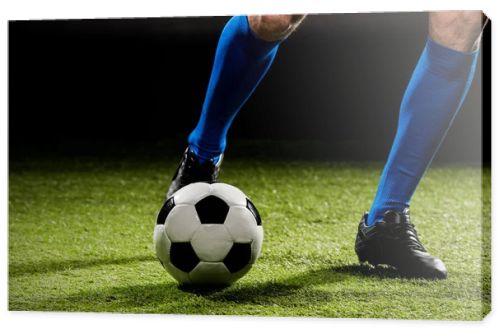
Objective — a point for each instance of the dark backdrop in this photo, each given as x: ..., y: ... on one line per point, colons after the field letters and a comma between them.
x: 334, y: 87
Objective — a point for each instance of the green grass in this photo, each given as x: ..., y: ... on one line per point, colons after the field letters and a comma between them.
x: 80, y: 239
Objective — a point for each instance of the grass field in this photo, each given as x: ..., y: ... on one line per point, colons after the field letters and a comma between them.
x: 80, y: 239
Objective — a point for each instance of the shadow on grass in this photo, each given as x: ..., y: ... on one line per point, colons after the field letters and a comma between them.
x: 297, y: 291
x: 42, y: 267
x: 368, y: 271
x: 313, y: 277
x: 301, y: 286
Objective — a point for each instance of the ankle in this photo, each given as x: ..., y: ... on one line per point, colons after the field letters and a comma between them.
x: 203, y: 156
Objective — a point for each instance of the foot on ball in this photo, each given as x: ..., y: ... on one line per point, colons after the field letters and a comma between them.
x: 191, y: 170
x: 394, y: 241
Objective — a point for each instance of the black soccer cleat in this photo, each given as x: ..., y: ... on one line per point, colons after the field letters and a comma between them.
x: 190, y: 170
x: 394, y: 242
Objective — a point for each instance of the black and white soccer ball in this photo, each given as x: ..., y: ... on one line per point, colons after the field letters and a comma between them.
x: 209, y: 234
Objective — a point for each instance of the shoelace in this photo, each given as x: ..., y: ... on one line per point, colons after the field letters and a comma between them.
x: 407, y: 234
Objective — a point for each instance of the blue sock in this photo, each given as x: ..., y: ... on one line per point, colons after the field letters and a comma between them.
x: 434, y: 95
x: 241, y: 61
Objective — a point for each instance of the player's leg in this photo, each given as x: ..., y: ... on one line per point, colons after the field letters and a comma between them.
x: 434, y: 95
x: 246, y: 50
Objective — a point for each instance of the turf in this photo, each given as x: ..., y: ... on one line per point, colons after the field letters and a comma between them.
x: 80, y: 239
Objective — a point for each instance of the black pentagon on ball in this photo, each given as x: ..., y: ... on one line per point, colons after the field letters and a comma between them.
x: 165, y: 210
x: 238, y: 257
x: 254, y: 212
x: 212, y: 210
x: 183, y: 256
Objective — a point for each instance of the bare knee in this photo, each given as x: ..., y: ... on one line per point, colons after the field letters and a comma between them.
x: 458, y: 30
x: 274, y: 27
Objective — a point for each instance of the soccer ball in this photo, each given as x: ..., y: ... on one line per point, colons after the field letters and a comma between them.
x: 208, y: 234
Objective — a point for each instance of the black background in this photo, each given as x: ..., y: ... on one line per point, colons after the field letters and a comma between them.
x: 335, y: 85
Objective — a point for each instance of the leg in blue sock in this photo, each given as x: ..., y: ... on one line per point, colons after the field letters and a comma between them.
x: 432, y: 99
x: 246, y: 49
x: 245, y: 52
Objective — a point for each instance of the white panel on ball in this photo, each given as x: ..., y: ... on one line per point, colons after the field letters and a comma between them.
x: 241, y: 224
x: 230, y: 194
x: 257, y: 244
x: 212, y: 242
x: 210, y: 273
x: 162, y: 244
x: 179, y: 275
x: 236, y: 276
x: 181, y: 223
x: 192, y: 193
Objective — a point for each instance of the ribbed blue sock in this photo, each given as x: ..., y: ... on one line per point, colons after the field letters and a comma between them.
x: 434, y: 95
x: 241, y: 61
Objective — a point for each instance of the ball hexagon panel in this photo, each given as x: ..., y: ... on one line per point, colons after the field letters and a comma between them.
x: 192, y: 193
x: 236, y: 276
x: 210, y: 273
x: 241, y: 224
x: 238, y: 257
x: 179, y: 275
x: 212, y: 210
x: 182, y: 223
x: 257, y: 244
x: 230, y: 194
x: 165, y: 210
x: 254, y: 212
x: 212, y: 242
x: 162, y: 244
x: 183, y: 256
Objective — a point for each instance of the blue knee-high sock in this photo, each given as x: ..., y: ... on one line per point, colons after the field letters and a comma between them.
x: 434, y: 95
x: 241, y: 61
